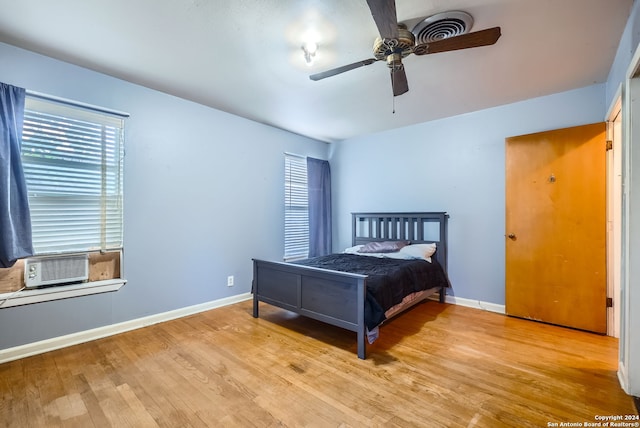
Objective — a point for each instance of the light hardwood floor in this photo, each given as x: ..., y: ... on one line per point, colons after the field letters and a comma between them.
x: 436, y: 365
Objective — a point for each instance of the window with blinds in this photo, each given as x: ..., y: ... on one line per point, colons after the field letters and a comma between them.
x: 73, y: 164
x: 296, y: 208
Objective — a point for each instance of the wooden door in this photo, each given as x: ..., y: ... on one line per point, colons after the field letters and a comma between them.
x: 556, y: 227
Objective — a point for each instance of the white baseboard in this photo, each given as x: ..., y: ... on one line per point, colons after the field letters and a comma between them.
x: 622, y: 377
x: 47, y: 345
x: 477, y: 304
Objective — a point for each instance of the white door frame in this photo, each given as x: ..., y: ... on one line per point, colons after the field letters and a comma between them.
x: 614, y: 212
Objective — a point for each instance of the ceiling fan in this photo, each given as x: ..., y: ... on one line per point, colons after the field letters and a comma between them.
x: 396, y: 42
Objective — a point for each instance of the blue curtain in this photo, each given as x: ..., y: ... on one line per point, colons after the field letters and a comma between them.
x: 15, y: 221
x: 319, y: 185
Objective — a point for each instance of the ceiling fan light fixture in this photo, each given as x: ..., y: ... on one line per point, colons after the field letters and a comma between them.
x: 309, y: 49
x: 442, y: 26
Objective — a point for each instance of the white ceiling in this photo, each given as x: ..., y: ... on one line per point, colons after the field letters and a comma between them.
x: 245, y: 56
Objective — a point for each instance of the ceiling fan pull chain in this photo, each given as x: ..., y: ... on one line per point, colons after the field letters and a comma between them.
x: 393, y: 97
x: 393, y: 103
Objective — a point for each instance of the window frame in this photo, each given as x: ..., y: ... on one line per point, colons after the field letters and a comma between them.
x: 49, y: 122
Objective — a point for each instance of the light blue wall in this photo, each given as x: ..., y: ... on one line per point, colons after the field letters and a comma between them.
x: 626, y: 48
x: 455, y: 165
x: 203, y: 195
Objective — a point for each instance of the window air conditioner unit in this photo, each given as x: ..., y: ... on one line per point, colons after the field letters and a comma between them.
x: 55, y: 270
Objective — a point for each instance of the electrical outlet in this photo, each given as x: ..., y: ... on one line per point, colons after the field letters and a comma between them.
x: 230, y: 281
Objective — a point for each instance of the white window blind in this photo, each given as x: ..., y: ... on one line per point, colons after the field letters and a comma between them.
x: 296, y: 213
x: 73, y: 164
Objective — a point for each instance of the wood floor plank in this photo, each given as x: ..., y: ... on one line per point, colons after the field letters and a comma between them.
x: 437, y: 365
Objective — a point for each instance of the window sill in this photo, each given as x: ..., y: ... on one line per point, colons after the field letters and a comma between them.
x: 26, y: 297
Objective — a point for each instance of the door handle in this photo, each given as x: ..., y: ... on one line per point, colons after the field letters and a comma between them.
x: 512, y: 236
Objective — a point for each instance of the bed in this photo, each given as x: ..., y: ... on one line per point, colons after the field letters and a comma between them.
x: 336, y: 291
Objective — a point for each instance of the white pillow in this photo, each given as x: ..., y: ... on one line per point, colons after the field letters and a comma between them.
x: 394, y: 255
x: 419, y: 251
x: 353, y: 250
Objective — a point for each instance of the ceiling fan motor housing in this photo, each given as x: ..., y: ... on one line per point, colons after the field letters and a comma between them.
x: 402, y: 46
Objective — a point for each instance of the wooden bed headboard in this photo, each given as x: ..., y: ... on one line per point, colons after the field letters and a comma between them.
x: 421, y: 227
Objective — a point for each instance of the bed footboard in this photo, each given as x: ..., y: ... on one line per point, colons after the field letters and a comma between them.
x: 336, y: 298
